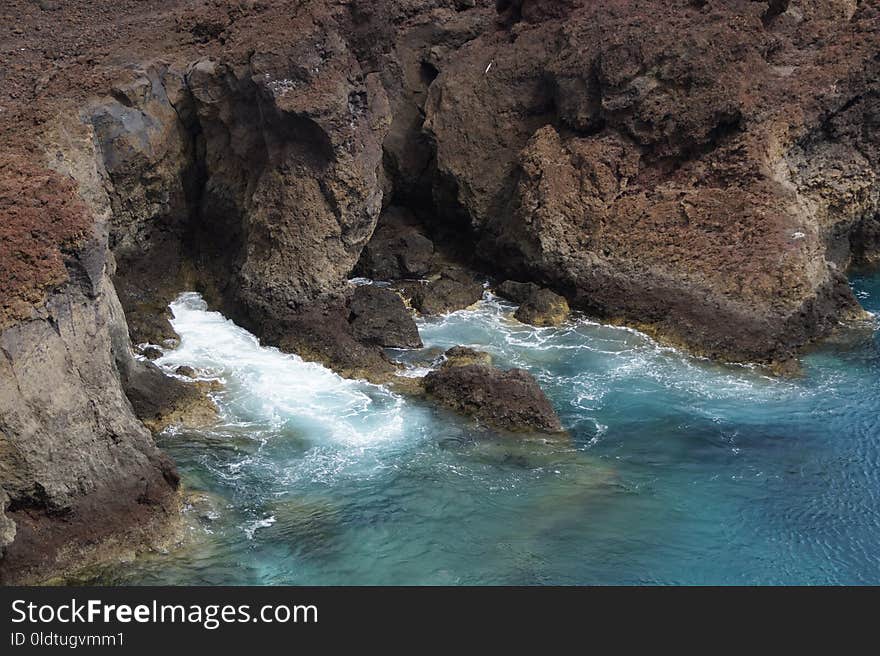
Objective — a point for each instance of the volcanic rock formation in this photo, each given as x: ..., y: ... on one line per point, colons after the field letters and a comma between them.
x: 510, y: 400
x: 704, y: 170
x: 377, y: 315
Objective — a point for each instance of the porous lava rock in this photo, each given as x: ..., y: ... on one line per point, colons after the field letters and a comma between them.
x: 508, y: 400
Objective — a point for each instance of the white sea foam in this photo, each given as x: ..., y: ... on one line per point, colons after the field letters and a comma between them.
x: 256, y: 525
x: 602, y: 357
x: 281, y: 388
x: 582, y: 361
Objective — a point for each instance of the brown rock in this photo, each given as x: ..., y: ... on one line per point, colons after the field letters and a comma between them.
x: 161, y: 401
x: 152, y: 353
x: 707, y: 170
x: 682, y: 183
x: 397, y: 250
x: 517, y: 292
x: 509, y: 400
x: 302, y: 174
x: 185, y: 370
x: 543, y: 308
x: 453, y: 289
x: 460, y: 356
x: 323, y: 334
x: 379, y: 316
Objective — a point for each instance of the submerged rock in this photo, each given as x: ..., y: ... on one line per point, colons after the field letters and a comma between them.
x: 311, y: 525
x: 379, y: 316
x: 543, y: 308
x: 510, y: 400
x: 207, y: 507
x: 460, y: 356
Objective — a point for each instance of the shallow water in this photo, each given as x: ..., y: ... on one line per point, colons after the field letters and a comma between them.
x: 678, y: 470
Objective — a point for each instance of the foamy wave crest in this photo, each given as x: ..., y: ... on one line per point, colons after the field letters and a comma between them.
x: 280, y: 389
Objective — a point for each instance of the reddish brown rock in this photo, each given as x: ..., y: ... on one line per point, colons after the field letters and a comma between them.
x: 706, y: 170
x: 377, y: 315
x: 510, y: 400
x: 696, y: 170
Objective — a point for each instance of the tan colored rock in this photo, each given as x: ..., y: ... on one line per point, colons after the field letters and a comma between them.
x: 543, y: 308
x: 460, y: 356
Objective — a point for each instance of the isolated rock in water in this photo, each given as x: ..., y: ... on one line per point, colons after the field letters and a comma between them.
x: 460, y: 356
x: 207, y: 507
x: 538, y: 306
x: 543, y: 308
x: 379, y: 316
x: 455, y: 289
x: 509, y: 400
x: 397, y: 250
x: 517, y: 292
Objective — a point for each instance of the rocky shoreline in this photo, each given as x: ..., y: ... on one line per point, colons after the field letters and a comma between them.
x: 706, y: 171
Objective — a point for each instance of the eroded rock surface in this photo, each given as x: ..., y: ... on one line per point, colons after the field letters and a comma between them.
x: 454, y: 288
x: 705, y: 170
x: 509, y: 400
x: 651, y: 161
x: 71, y: 445
x: 542, y: 308
x: 459, y: 356
x: 378, y: 316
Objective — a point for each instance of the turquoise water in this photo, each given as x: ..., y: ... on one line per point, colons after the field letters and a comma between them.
x: 678, y: 470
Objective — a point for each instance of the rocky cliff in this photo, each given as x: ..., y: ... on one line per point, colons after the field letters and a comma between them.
x: 700, y: 169
x: 80, y: 474
x: 703, y: 169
